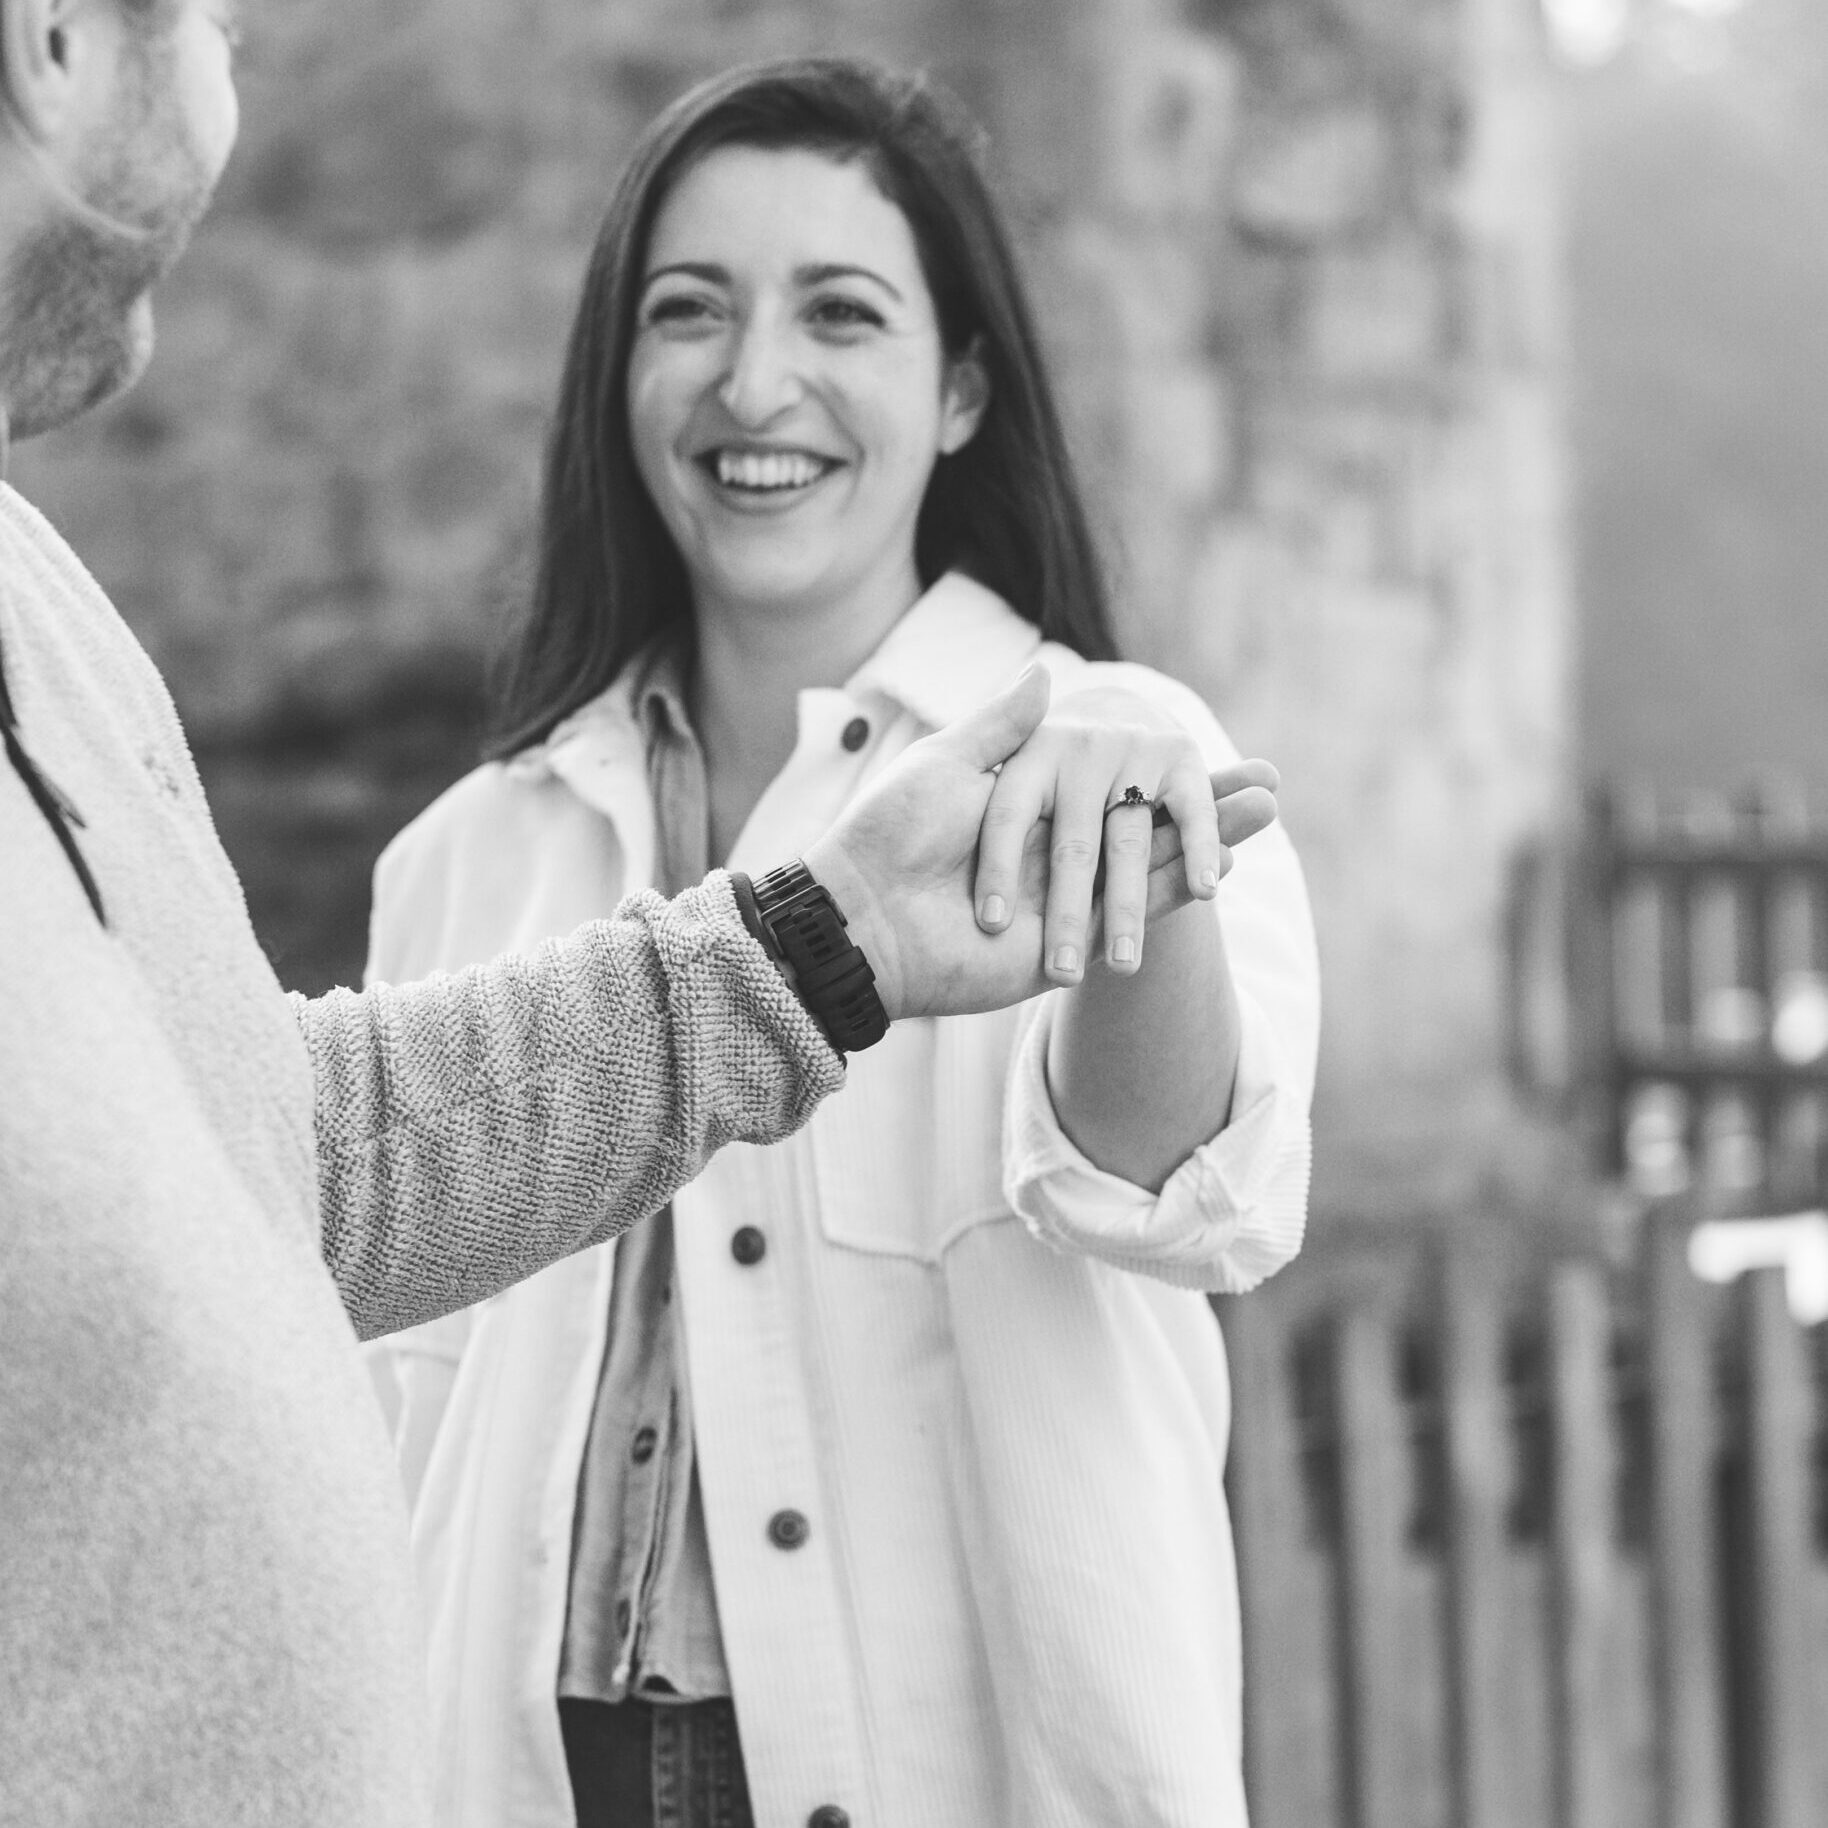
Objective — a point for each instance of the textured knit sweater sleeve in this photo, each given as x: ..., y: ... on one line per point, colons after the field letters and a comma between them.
x: 474, y: 1128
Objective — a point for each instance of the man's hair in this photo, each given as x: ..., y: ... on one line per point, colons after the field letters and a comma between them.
x: 1004, y: 508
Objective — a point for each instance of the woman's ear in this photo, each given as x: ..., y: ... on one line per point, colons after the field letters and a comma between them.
x: 967, y: 395
x: 38, y: 75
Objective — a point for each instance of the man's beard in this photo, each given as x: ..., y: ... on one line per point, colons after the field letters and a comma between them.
x: 76, y: 319
x: 75, y: 305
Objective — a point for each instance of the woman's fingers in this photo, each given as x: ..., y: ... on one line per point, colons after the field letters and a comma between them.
x: 1016, y: 802
x: 1128, y: 839
x: 1244, y: 794
x: 1245, y: 812
x: 1074, y: 851
x: 1106, y: 862
x: 1253, y: 772
x: 1187, y: 792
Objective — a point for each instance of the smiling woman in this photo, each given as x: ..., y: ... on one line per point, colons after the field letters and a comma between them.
x: 608, y: 583
x: 788, y: 398
x: 888, y: 1466
x: 780, y: 380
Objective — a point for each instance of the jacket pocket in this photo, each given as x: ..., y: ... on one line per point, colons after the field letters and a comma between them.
x: 909, y: 1155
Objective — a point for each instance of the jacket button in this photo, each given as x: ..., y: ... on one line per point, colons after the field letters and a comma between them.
x: 641, y: 1449
x: 748, y: 1245
x: 856, y: 734
x: 829, y: 1815
x: 788, y: 1529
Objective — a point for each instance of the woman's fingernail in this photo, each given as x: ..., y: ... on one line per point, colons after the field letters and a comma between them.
x: 1123, y: 951
x: 1067, y: 959
x: 1209, y: 879
x: 994, y: 910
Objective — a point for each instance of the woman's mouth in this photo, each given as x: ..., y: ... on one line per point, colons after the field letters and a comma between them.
x: 766, y: 472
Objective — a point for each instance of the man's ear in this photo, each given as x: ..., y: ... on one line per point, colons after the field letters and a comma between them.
x: 37, y: 65
x: 966, y: 398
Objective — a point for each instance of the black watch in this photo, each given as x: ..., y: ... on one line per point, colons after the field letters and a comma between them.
x: 799, y: 925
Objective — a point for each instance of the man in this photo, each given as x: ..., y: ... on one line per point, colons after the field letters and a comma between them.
x: 205, y: 1611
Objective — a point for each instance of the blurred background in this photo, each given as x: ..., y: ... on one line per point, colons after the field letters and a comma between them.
x: 1451, y: 382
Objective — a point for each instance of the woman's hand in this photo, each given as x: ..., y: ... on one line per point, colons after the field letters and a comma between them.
x: 903, y: 859
x: 1073, y: 773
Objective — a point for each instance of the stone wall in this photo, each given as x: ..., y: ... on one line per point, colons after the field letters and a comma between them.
x: 1296, y: 261
x: 1304, y: 277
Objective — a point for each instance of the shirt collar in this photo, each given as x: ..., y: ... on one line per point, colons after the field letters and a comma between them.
x: 645, y: 698
x: 659, y: 701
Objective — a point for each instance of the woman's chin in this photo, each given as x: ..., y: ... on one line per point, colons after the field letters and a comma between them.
x: 773, y: 586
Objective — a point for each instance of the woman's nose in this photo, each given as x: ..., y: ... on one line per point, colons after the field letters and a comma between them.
x: 762, y: 378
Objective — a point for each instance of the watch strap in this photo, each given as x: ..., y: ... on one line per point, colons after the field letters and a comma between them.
x: 798, y: 924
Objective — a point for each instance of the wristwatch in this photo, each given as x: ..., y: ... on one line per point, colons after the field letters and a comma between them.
x: 800, y: 927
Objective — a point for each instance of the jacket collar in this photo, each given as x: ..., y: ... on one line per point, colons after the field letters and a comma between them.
x: 958, y: 645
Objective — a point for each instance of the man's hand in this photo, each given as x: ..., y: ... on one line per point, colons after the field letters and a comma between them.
x: 902, y: 864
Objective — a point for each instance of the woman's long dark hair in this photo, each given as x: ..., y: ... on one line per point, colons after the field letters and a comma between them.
x: 1005, y: 508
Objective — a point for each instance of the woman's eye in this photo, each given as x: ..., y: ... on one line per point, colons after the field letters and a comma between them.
x: 840, y: 313
x: 678, y: 308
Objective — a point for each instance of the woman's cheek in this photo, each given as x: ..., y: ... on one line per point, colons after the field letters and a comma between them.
x: 650, y: 432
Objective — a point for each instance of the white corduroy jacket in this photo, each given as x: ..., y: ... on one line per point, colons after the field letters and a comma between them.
x: 982, y: 1369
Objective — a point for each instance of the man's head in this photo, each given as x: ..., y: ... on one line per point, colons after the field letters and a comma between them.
x: 116, y: 119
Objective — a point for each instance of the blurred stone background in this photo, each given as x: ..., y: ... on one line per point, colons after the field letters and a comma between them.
x: 1698, y: 255
x: 1299, y: 263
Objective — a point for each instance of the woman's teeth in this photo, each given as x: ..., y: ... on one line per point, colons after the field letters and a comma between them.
x: 768, y: 469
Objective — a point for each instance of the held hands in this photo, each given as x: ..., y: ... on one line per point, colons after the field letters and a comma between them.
x: 904, y: 861
x: 1074, y: 771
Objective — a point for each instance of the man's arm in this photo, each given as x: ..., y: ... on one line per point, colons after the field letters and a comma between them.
x: 474, y: 1128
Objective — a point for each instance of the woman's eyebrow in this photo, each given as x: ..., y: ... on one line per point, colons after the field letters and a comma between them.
x: 815, y: 275
x: 819, y: 275
x: 690, y: 269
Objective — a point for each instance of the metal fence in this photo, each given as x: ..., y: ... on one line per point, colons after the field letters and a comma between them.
x: 1532, y: 1547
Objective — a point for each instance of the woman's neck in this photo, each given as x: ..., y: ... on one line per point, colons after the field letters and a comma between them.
x: 749, y: 669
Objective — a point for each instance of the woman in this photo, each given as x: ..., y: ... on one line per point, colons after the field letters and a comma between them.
x: 918, y: 1479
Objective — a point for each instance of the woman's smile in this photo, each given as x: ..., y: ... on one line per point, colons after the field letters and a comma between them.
x: 753, y: 476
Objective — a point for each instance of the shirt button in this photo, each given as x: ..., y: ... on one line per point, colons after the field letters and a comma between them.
x: 748, y: 1246
x: 641, y: 1449
x: 829, y: 1815
x: 856, y: 734
x: 788, y: 1529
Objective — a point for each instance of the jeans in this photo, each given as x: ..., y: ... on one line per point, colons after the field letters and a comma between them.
x: 638, y: 1765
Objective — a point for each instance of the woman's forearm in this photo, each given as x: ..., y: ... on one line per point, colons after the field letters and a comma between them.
x: 1141, y: 1068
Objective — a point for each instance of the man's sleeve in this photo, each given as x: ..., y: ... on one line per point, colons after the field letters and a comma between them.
x: 474, y: 1128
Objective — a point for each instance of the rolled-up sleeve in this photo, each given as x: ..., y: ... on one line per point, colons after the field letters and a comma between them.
x: 1235, y: 1210
x: 1230, y: 1215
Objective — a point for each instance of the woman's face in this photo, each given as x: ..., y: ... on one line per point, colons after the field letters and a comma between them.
x: 788, y: 395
